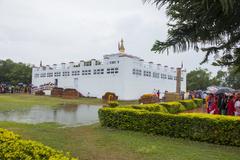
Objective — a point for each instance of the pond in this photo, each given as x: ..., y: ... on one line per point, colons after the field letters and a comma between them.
x: 70, y: 115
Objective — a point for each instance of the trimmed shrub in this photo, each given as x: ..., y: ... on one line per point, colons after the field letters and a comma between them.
x: 12, y: 147
x: 198, y: 102
x: 201, y: 127
x: 188, y: 104
x: 167, y: 107
x: 173, y: 107
x: 148, y: 107
x: 113, y: 104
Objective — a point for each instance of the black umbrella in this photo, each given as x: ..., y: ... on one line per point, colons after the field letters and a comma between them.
x: 224, y: 90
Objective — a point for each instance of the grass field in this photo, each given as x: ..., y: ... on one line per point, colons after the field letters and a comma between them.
x: 96, y: 143
x: 21, y: 101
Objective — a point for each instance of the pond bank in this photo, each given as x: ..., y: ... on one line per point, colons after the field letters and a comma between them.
x: 23, y: 101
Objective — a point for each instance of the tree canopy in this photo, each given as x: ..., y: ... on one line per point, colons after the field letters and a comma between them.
x: 14, y: 73
x: 210, y: 25
x: 200, y: 79
x: 233, y: 78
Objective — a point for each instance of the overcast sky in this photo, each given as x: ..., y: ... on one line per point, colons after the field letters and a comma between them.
x: 56, y: 31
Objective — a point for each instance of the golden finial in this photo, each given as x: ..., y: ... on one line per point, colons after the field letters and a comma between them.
x: 121, y: 47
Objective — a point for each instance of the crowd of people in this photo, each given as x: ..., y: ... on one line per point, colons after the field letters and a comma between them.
x: 223, y: 104
x: 20, y: 88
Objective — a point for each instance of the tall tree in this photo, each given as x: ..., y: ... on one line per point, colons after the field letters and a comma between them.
x: 11, y: 72
x: 210, y: 25
x: 233, y: 78
x: 219, y: 79
x: 198, y: 79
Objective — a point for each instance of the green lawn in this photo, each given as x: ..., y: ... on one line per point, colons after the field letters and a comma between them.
x: 97, y: 143
x: 22, y: 101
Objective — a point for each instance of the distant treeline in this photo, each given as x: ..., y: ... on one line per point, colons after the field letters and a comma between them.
x: 14, y: 73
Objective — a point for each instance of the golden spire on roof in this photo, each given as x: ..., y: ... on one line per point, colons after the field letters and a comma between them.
x: 121, y: 47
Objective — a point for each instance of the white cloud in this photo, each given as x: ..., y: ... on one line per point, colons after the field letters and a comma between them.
x: 69, y: 30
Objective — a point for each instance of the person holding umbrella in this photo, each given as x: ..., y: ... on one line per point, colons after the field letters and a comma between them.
x: 230, y: 106
x: 237, y: 105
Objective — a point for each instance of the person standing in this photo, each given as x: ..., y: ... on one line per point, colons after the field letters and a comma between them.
x: 237, y: 105
x: 213, y: 108
x: 158, y: 94
x: 230, y: 106
x: 222, y: 104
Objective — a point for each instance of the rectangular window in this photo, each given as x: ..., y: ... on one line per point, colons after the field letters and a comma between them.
x: 170, y: 77
x: 89, y: 63
x: 98, y: 71
x: 137, y: 72
x: 43, y: 75
x: 75, y: 73
x: 155, y: 75
x: 57, y: 74
x: 163, y: 76
x: 65, y: 74
x: 112, y: 70
x: 147, y: 73
x: 49, y: 74
x: 86, y: 72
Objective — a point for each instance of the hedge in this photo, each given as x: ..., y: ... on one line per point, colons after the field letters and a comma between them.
x: 168, y: 107
x: 113, y: 104
x: 148, y: 107
x: 174, y: 107
x: 13, y: 147
x: 198, y: 102
x: 201, y: 127
x: 189, y: 104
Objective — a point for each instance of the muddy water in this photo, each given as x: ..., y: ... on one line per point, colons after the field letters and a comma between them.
x: 69, y: 115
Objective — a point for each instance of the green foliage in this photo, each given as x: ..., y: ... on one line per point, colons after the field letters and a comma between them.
x: 173, y: 107
x: 232, y: 80
x: 188, y: 104
x: 148, y: 107
x: 198, y: 102
x: 167, y: 107
x: 201, y: 127
x: 13, y: 147
x: 200, y: 79
x: 198, y: 23
x: 113, y: 104
x: 14, y: 73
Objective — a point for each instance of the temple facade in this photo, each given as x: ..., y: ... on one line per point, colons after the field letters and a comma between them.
x: 128, y: 76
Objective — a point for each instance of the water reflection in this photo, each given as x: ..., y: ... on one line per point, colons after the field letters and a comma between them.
x: 67, y: 115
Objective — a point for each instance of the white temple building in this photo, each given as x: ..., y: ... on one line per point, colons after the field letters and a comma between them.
x: 128, y: 76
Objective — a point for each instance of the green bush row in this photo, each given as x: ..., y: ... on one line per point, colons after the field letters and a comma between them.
x: 201, y: 127
x: 148, y: 107
x: 168, y: 107
x: 13, y: 147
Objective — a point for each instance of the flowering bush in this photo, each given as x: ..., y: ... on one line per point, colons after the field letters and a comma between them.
x: 13, y: 147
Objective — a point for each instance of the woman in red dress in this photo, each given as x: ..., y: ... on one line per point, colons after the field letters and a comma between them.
x: 213, y: 109
x: 230, y: 106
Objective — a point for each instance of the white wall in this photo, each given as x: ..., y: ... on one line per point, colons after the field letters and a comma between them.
x: 126, y: 85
